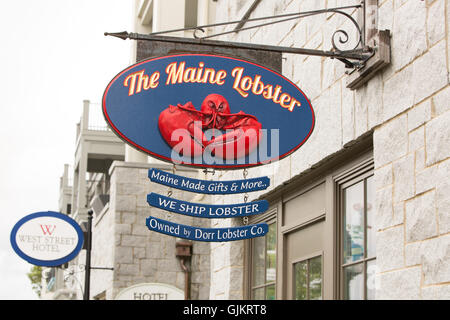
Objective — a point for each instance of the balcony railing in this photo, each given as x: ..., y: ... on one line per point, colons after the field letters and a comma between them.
x: 96, y: 121
x: 92, y: 118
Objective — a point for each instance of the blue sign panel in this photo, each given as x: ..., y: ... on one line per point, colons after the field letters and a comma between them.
x: 201, y: 210
x: 206, y: 234
x: 206, y: 186
x: 47, y: 238
x: 208, y: 111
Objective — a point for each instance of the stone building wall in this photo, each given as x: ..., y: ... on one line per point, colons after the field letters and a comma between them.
x: 139, y: 255
x: 405, y: 106
x: 411, y: 150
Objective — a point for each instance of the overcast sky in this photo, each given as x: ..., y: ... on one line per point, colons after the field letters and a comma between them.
x: 53, y: 55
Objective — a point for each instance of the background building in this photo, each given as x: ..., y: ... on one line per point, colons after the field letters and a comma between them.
x: 361, y: 211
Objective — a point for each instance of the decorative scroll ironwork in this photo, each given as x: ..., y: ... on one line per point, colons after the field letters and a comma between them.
x: 360, y: 52
x: 344, y: 33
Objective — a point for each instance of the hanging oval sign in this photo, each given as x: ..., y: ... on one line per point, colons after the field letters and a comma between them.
x: 208, y: 111
x: 47, y: 238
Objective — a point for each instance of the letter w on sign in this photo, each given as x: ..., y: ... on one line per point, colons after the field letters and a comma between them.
x: 47, y: 229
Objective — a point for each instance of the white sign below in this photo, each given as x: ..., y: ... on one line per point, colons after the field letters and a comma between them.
x: 151, y: 291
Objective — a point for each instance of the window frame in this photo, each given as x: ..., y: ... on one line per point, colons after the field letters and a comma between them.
x: 351, y: 177
x: 266, y: 283
x: 269, y: 217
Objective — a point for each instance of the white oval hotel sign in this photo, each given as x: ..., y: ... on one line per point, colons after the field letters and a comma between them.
x: 47, y: 238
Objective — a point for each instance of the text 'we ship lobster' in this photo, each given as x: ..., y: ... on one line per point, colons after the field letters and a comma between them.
x: 243, y: 84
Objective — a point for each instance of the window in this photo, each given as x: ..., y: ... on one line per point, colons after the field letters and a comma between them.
x: 358, y: 251
x: 263, y: 255
x: 321, y: 239
x: 308, y: 279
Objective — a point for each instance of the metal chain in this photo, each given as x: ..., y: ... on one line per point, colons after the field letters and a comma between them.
x: 169, y: 194
x: 245, y: 219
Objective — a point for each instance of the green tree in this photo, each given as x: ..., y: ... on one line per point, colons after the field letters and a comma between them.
x: 35, y: 276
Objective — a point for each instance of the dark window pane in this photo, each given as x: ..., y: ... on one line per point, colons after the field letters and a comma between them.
x: 300, y: 276
x: 315, y: 278
x: 354, y: 223
x: 353, y: 282
x: 270, y: 292
x: 370, y: 218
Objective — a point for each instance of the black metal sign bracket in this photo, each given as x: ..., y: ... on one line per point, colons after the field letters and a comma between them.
x: 354, y: 58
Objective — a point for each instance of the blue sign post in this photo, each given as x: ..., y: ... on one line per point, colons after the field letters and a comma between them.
x: 201, y: 210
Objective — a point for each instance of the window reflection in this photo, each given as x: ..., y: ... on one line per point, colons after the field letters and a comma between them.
x: 271, y: 253
x: 315, y: 278
x: 354, y: 223
x: 259, y: 245
x: 300, y: 275
x: 354, y: 285
x: 270, y: 292
x: 370, y: 224
x: 359, y: 248
x: 264, y: 265
x: 308, y: 279
x: 371, y: 278
x: 258, y: 294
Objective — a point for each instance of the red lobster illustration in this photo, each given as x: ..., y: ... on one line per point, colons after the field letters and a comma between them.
x: 242, y: 131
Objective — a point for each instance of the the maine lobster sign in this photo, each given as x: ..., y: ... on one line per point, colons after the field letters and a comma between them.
x: 208, y: 111
x: 47, y: 238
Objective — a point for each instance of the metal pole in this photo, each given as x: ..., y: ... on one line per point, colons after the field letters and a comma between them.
x: 352, y: 54
x: 87, y: 275
x: 187, y: 282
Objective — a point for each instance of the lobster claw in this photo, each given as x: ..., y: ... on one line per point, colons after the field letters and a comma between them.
x: 242, y: 136
x: 181, y: 127
x: 243, y: 131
